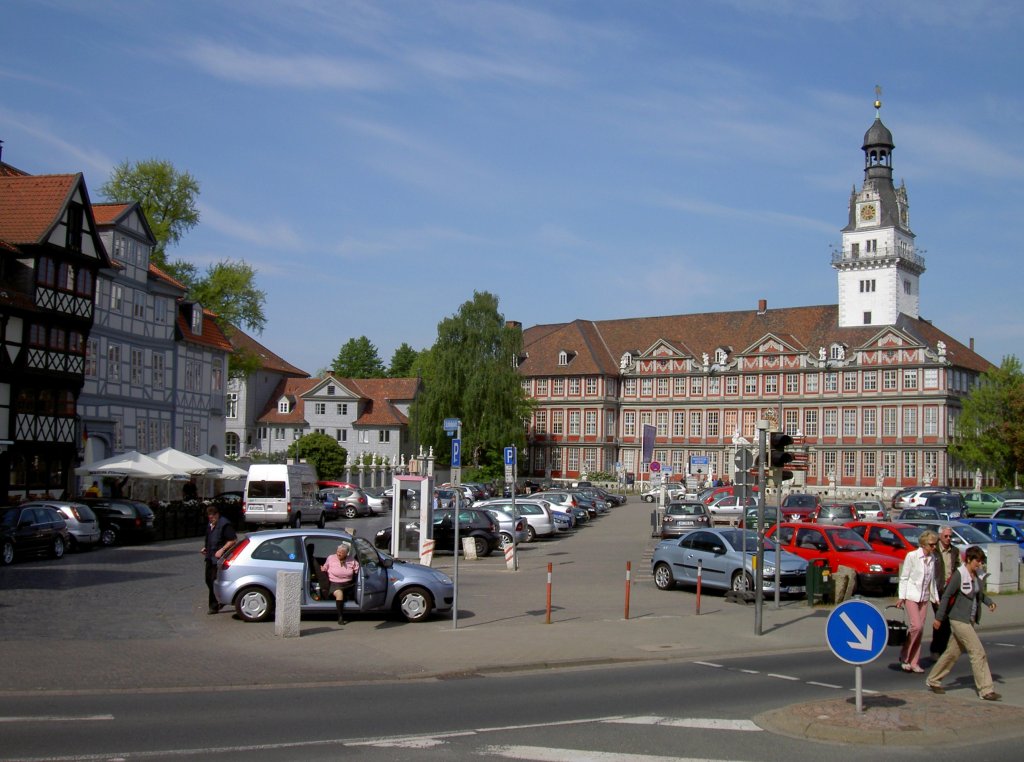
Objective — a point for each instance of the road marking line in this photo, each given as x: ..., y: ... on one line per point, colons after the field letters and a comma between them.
x: 782, y: 677
x: 1008, y: 645
x: 707, y: 663
x: 750, y: 671
x: 823, y: 685
x: 541, y: 754
x: 59, y: 718
x: 690, y: 722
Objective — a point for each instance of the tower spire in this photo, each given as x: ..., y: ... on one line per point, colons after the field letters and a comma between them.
x: 878, y: 101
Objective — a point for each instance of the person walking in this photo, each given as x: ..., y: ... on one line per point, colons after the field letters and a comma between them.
x: 947, y: 559
x: 960, y: 604
x: 342, y: 572
x: 917, y: 592
x: 220, y: 536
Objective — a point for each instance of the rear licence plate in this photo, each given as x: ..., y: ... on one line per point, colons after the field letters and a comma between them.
x: 796, y: 589
x: 894, y: 580
x: 251, y: 507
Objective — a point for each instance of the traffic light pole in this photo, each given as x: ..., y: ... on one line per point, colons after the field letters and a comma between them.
x: 762, y: 436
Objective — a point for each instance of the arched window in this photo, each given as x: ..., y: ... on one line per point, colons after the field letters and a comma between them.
x: 563, y: 358
x: 231, y: 445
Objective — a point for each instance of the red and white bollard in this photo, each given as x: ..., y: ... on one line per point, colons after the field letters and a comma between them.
x: 628, y: 573
x: 548, y: 619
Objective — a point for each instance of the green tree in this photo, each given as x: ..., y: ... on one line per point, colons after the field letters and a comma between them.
x: 229, y: 290
x: 471, y: 375
x: 990, y: 432
x: 167, y: 196
x: 322, y: 452
x: 358, y: 358
x: 402, y: 362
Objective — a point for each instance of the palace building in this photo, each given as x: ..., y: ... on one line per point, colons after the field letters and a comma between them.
x: 872, y: 389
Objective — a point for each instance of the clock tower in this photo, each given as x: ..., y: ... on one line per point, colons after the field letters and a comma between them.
x: 879, y: 269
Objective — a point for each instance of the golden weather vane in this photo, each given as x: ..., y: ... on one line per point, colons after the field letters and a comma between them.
x: 878, y: 97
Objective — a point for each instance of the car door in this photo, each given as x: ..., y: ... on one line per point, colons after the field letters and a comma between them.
x: 372, y: 590
x: 318, y: 548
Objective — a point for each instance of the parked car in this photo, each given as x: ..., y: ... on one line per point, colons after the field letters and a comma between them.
x: 349, y: 502
x: 611, y: 498
x: 121, y: 519
x: 914, y: 498
x: 730, y: 507
x: 563, y: 521
x: 1015, y: 512
x: 876, y: 572
x: 83, y: 528
x: 891, y: 539
x: 964, y: 535
x: 712, y: 494
x: 749, y: 520
x: 539, y: 521
x: 473, y: 523
x: 798, y: 506
x: 248, y: 576
x: 1001, y: 530
x: 681, y: 518
x: 981, y: 504
x: 672, y: 492
x: 871, y: 510
x: 726, y: 560
x: 377, y: 500
x: 1010, y: 494
x: 950, y: 505
x: 834, y: 513
x: 511, y: 528
x: 29, y: 530
x: 562, y: 499
x: 918, y: 514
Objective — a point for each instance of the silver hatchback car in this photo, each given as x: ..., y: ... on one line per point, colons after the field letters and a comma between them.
x: 83, y: 527
x: 247, y: 578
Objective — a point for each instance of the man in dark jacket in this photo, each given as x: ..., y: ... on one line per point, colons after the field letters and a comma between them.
x: 947, y: 559
x: 220, y: 536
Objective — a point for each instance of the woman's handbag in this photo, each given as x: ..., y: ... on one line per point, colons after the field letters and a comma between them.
x: 897, y: 627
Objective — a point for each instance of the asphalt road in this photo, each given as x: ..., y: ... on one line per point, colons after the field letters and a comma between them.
x: 694, y: 710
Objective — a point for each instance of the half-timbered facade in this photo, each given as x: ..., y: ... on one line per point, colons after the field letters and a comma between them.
x: 200, y: 377
x: 50, y: 256
x: 873, y: 389
x: 128, y: 400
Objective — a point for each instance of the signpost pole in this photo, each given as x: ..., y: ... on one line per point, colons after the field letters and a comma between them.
x: 858, y: 683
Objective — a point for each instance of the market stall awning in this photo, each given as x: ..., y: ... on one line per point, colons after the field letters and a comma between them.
x: 131, y: 463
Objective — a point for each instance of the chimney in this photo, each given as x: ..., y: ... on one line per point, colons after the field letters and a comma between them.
x: 762, y: 306
x: 972, y: 343
x: 515, y: 325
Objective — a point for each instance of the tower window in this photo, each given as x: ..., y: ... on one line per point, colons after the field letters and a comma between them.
x: 871, y: 246
x: 867, y: 286
x: 906, y: 287
x: 867, y: 318
x: 855, y: 249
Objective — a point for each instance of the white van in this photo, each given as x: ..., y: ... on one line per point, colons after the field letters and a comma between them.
x: 283, y: 494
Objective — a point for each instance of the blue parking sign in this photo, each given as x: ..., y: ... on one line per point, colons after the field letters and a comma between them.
x: 510, y: 456
x: 456, y: 453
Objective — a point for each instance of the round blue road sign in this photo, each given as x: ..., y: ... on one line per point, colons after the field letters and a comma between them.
x: 856, y: 632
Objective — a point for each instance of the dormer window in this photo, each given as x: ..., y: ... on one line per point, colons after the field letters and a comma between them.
x: 563, y: 358
x: 330, y: 390
x: 283, y: 406
x: 837, y: 352
x: 721, y: 356
x: 197, y: 319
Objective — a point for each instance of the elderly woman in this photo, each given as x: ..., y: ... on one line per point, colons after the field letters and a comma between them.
x: 917, y: 591
x: 342, y: 573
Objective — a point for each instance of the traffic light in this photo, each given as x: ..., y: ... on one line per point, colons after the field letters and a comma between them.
x: 778, y: 457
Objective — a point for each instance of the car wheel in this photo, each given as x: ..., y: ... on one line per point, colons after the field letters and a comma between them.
x: 531, y: 533
x: 483, y: 548
x: 351, y: 512
x: 108, y: 536
x: 663, y: 577
x: 7, y: 557
x: 255, y: 604
x: 57, y: 550
x: 506, y: 540
x: 322, y: 522
x: 648, y: 498
x: 742, y: 582
x: 415, y: 604
x: 297, y: 521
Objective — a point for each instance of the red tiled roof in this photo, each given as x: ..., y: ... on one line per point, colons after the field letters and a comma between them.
x: 158, y: 274
x: 380, y: 394
x: 596, y: 346
x: 108, y: 214
x: 212, y: 336
x: 293, y: 388
x: 32, y: 205
x: 270, y: 361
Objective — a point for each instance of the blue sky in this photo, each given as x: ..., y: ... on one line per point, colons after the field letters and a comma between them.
x: 377, y: 162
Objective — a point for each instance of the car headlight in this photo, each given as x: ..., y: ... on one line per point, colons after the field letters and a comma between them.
x: 769, y: 570
x: 874, y: 567
x: 444, y: 579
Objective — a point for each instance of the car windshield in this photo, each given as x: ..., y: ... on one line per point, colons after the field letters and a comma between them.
x: 971, y: 535
x: 845, y: 540
x: 736, y: 538
x: 800, y: 501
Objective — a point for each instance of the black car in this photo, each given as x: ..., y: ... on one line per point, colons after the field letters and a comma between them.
x: 121, y: 519
x: 31, y: 530
x: 474, y: 523
x: 950, y: 505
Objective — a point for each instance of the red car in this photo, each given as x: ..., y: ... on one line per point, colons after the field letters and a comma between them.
x: 839, y: 546
x: 799, y: 506
x: 894, y: 540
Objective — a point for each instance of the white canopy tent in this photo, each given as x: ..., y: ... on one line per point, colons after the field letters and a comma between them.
x: 182, y: 461
x: 228, y: 471
x: 133, y: 464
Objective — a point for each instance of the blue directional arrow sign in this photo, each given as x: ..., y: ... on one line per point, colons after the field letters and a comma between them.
x: 856, y: 632
x: 456, y: 453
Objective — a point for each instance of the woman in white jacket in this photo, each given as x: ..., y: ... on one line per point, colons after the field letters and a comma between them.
x: 917, y: 592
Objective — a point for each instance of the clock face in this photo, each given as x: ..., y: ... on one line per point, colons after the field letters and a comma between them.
x: 867, y: 212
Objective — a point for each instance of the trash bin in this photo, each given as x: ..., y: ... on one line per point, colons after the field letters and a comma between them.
x: 819, y: 581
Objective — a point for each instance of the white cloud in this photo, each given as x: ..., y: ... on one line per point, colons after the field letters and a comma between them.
x: 268, y: 234
x: 710, y: 209
x: 37, y: 129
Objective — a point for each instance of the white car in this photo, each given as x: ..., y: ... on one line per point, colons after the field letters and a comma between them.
x: 870, y: 510
x: 539, y: 521
x: 672, y: 494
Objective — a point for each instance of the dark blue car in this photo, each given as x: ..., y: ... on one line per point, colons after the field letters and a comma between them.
x: 1001, y: 530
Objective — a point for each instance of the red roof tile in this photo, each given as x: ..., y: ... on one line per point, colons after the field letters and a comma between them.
x: 212, y: 336
x: 293, y: 388
x: 32, y: 205
x: 242, y: 341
